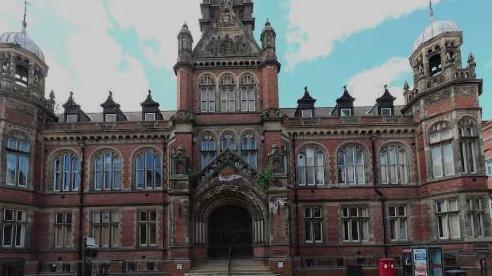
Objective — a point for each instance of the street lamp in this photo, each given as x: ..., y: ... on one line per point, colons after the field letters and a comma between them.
x: 88, y: 243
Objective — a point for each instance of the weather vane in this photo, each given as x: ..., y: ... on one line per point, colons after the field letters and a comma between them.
x: 24, y: 23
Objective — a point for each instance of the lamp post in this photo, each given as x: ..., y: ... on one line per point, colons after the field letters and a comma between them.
x: 88, y: 243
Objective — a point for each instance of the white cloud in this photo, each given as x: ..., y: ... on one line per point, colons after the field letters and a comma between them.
x: 157, y: 24
x: 316, y: 25
x: 368, y: 85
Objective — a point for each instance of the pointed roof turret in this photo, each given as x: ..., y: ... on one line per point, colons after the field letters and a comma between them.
x: 70, y: 102
x: 385, y: 103
x: 386, y: 97
x: 346, y: 97
x: 111, y: 107
x: 306, y: 103
x: 149, y: 102
x: 406, y: 86
x: 306, y: 98
x: 73, y: 113
x: 110, y: 103
x: 149, y: 106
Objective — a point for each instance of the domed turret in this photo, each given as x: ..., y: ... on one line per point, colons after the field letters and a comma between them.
x: 433, y: 30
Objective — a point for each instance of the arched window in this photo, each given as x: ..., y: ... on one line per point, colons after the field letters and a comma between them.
x: 311, y: 167
x: 228, y: 141
x: 66, y: 172
x: 207, y: 94
x: 249, y: 150
x: 441, y: 145
x: 148, y: 170
x: 18, y: 151
x: 107, y: 171
x: 351, y: 165
x: 394, y: 165
x: 208, y: 149
x: 247, y: 87
x: 227, y: 93
x: 468, y: 145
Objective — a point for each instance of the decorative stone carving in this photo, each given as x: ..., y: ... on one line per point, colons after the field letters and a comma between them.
x: 6, y: 68
x: 438, y: 97
x: 464, y: 92
x: 276, y: 204
x: 450, y: 59
x: 278, y: 160
x: 183, y: 116
x: 179, y: 162
x: 226, y: 45
x: 272, y: 114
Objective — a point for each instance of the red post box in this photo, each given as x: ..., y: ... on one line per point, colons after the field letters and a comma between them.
x: 386, y: 267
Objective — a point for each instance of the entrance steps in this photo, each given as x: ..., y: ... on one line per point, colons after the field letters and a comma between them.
x: 239, y: 267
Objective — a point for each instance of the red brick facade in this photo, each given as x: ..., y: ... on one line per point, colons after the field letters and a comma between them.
x: 323, y: 191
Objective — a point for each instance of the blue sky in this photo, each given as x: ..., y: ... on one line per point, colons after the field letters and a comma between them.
x: 129, y: 46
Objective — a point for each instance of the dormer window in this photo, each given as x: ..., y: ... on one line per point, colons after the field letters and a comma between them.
x: 149, y: 117
x: 435, y: 65
x: 72, y: 118
x: 110, y: 118
x: 345, y: 112
x: 307, y: 113
x: 21, y: 75
x: 386, y: 111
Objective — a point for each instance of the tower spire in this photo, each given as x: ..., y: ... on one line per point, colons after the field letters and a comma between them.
x: 24, y: 22
x: 431, y: 11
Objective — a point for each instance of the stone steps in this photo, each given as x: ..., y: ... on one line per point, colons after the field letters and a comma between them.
x: 239, y: 267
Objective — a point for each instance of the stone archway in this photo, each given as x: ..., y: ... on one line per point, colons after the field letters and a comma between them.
x: 230, y: 228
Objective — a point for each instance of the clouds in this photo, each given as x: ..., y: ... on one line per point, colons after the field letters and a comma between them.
x: 157, y: 24
x: 316, y: 25
x: 368, y: 85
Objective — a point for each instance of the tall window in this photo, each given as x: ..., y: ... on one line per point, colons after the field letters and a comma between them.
x: 66, y: 172
x: 18, y: 151
x: 63, y: 230
x: 248, y: 94
x: 441, y: 144
x: 394, y: 165
x: 227, y: 94
x: 147, y: 228
x: 448, y: 219
x: 105, y: 228
x: 488, y: 165
x: 311, y: 167
x: 148, y: 170
x: 398, y: 222
x: 249, y: 150
x: 107, y: 171
x: 355, y: 224
x: 13, y: 228
x: 468, y: 145
x: 351, y: 166
x: 475, y: 216
x: 313, y: 222
x: 208, y: 150
x: 228, y: 141
x: 207, y: 94
x: 435, y: 64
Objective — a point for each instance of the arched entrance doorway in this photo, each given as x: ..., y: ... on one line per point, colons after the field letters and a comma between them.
x: 230, y: 225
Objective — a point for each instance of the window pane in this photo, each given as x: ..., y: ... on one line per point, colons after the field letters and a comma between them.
x: 143, y: 234
x: 23, y: 170
x: 11, y: 168
x: 454, y: 225
x: 308, y: 231
x: 117, y: 173
x: 436, y: 157
x: 158, y: 174
x: 448, y: 159
x: 317, y: 231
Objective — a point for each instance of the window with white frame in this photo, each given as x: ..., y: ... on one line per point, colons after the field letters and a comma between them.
x: 63, y: 230
x: 148, y: 170
x: 355, y: 222
x: 249, y: 150
x: 13, y: 228
x: 441, y: 145
x: 72, y: 118
x: 475, y: 216
x: 394, y: 165
x: 105, y: 228
x: 110, y: 117
x: 313, y: 224
x: 18, y: 152
x: 307, y: 113
x: 149, y: 117
x: 207, y: 94
x: 208, y: 150
x: 107, y: 171
x: 147, y: 225
x: 66, y: 172
x: 346, y: 112
x: 398, y: 222
x: 227, y: 89
x: 228, y: 141
x: 448, y: 219
x: 351, y: 165
x: 247, y: 86
x: 468, y: 145
x: 386, y: 111
x: 311, y: 166
x: 488, y: 165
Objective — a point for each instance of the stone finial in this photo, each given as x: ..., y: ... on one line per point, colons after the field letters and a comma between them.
x: 471, y: 59
x: 406, y: 87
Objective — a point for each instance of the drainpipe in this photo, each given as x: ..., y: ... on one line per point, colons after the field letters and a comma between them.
x: 81, y: 202
x: 296, y: 197
x: 380, y: 194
